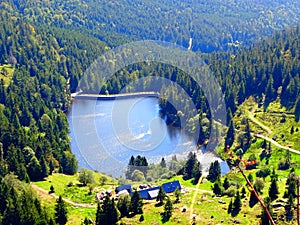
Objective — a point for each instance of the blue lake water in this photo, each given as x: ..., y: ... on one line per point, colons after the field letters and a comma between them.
x: 105, y: 134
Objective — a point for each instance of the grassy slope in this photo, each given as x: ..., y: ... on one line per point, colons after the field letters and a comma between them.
x: 75, y: 193
x: 6, y: 73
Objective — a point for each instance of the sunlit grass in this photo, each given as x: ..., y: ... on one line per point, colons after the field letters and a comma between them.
x: 6, y: 73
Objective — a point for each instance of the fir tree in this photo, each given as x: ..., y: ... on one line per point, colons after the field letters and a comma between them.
x: 61, y: 213
x: 214, y: 172
x: 273, y: 190
x: 229, y: 210
x: 168, y: 210
x: 253, y: 200
x: 161, y: 196
x: 136, y: 203
x: 226, y: 183
x: 107, y: 213
x: 243, y: 192
x: 237, y: 203
x: 264, y: 218
x: 230, y: 135
x: 163, y: 163
x: 297, y: 110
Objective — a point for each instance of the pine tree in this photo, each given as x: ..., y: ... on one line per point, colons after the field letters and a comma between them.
x: 136, y: 203
x: 253, y: 200
x: 107, y: 213
x: 243, y: 192
x: 168, y: 210
x: 163, y: 163
x: 237, y: 203
x: 297, y: 110
x: 177, y: 194
x: 273, y: 190
x: 61, y: 212
x: 214, y: 172
x: 161, y: 196
x: 229, y: 210
x: 264, y: 218
x: 230, y: 135
x: 196, y: 172
x: 189, y: 165
x: 226, y: 183
x: 217, y: 188
x: 289, y: 208
x: 291, y: 188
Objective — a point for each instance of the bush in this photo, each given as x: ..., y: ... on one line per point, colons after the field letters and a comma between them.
x: 142, y: 218
x: 149, y: 179
x: 231, y: 191
x: 263, y: 172
x: 86, y: 177
x: 70, y: 184
x: 138, y: 175
x: 51, y: 189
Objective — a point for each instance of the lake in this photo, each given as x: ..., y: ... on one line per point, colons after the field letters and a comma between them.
x: 106, y: 133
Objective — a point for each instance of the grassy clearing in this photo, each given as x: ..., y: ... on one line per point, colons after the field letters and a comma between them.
x: 77, y: 215
x: 6, y: 73
x: 276, y: 118
x: 70, y: 188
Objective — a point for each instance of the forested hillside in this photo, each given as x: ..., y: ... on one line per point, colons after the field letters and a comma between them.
x: 46, y: 46
x: 267, y: 70
x: 38, y: 65
x: 47, y: 64
x: 213, y: 25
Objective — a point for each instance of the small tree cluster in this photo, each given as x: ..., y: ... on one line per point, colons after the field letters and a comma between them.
x: 214, y: 171
x: 86, y: 177
x: 192, y: 168
x: 107, y: 213
x: 168, y: 210
x: 138, y: 163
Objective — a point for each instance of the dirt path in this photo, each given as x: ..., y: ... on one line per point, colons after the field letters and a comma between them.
x: 267, y: 139
x: 251, y: 117
x: 266, y: 128
x: 194, y: 197
x: 45, y: 193
x: 276, y: 143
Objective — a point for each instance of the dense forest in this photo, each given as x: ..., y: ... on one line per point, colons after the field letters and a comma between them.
x: 267, y: 71
x: 213, y: 25
x: 45, y: 62
x: 46, y: 46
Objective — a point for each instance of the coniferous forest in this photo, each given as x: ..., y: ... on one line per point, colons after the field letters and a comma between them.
x: 46, y: 46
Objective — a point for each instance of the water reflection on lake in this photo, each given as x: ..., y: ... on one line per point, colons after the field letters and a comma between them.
x: 104, y: 134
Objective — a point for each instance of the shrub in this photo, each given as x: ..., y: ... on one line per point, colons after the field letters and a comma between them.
x: 263, y: 172
x: 231, y: 191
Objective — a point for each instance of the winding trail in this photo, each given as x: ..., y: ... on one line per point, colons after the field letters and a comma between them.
x: 194, y: 197
x: 251, y: 117
x: 276, y: 143
x: 42, y: 192
x: 263, y: 136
